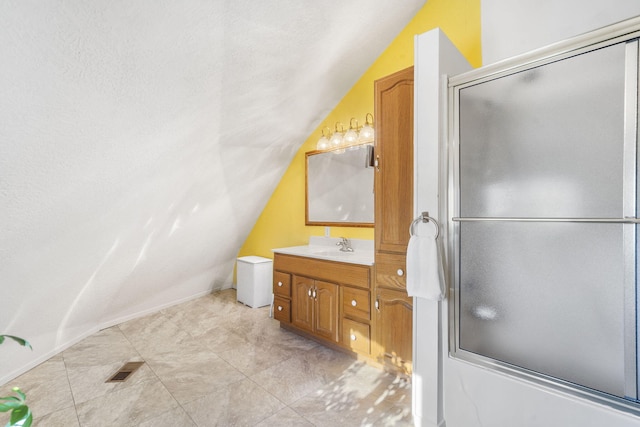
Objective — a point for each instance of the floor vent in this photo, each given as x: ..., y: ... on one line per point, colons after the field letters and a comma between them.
x: 124, y: 372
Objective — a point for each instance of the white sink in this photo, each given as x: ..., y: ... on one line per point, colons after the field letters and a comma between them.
x: 326, y: 248
x: 332, y: 253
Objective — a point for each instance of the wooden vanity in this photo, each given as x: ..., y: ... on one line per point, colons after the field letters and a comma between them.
x: 356, y: 306
x: 325, y: 300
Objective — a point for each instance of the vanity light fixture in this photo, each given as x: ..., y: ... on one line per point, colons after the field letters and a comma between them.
x: 340, y: 139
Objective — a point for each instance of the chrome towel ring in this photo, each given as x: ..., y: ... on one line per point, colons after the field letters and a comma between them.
x: 424, y: 218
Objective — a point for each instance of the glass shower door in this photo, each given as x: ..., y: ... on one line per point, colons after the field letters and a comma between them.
x: 546, y: 254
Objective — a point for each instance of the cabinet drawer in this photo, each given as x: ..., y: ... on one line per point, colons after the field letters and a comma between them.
x: 391, y: 271
x: 356, y: 336
x: 282, y: 309
x: 356, y: 302
x: 282, y: 284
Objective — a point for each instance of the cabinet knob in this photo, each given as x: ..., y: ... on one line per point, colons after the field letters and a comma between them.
x: 279, y: 308
x: 279, y: 283
x: 353, y: 337
x: 354, y: 302
x: 400, y: 272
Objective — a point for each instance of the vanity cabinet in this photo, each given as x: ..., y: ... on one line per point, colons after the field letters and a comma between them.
x: 327, y: 300
x: 393, y: 184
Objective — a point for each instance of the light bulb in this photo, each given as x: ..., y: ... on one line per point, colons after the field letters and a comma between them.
x: 323, y: 143
x: 366, y: 134
x: 336, y: 140
x: 350, y: 138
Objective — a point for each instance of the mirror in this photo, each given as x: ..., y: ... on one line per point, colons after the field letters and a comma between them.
x: 339, y: 190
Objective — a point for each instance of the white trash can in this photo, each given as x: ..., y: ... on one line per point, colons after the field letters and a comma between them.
x: 254, y: 281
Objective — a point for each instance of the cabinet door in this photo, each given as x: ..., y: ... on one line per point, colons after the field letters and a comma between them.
x: 394, y: 154
x: 302, y: 302
x: 326, y: 310
x: 394, y: 330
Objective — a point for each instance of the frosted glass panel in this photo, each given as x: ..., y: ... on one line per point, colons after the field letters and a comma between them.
x: 545, y: 296
x: 545, y: 142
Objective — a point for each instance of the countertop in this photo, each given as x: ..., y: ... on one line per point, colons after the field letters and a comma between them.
x: 326, y: 248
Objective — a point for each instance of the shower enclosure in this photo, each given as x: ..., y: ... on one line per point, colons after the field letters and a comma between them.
x: 543, y: 208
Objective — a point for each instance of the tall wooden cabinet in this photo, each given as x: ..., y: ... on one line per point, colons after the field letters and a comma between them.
x: 393, y: 216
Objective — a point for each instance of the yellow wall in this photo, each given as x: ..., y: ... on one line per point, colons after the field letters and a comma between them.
x: 282, y: 222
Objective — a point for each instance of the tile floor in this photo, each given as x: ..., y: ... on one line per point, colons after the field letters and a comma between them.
x: 211, y: 362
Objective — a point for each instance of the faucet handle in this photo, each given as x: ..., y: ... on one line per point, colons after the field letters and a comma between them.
x: 345, y: 245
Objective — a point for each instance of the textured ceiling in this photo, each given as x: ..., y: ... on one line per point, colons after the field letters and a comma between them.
x: 139, y: 141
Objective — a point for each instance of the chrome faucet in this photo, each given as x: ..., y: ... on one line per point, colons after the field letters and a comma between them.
x: 345, y: 245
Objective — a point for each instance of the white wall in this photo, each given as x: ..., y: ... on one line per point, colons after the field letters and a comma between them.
x: 140, y: 140
x: 473, y: 396
x: 511, y: 27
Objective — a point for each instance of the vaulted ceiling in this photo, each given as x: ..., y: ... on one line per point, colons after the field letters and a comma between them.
x: 139, y: 141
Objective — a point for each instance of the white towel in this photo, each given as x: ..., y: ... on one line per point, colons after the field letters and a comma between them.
x: 425, y: 277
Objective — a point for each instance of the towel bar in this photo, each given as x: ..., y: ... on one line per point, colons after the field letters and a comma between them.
x: 425, y: 218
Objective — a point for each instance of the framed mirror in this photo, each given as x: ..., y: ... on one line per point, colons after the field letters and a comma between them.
x: 339, y: 187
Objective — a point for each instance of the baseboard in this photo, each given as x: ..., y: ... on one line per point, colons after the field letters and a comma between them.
x: 417, y: 421
x: 48, y: 355
x: 151, y: 310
